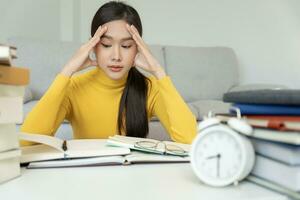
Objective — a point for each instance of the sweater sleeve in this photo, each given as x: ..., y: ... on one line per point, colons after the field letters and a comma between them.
x: 173, y: 112
x: 50, y: 111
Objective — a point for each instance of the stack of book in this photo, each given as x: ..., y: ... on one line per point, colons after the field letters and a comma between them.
x: 13, y: 81
x: 275, y: 117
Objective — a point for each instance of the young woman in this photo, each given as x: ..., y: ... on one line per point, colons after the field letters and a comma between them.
x: 114, y: 98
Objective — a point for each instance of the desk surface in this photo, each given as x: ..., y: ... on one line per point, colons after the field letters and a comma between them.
x: 137, y: 181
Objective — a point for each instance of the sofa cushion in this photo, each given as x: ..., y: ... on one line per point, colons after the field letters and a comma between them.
x: 201, y: 73
x: 191, y: 107
x: 44, y: 59
x: 204, y: 106
x: 158, y: 132
x: 157, y: 52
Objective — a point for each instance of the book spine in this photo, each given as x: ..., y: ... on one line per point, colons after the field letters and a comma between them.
x: 5, y: 55
x: 9, y: 165
x: 4, y: 52
x: 269, y: 169
x: 267, y: 109
x: 8, y: 137
x: 12, y: 90
x: 11, y: 110
x: 288, y: 154
x: 14, y: 75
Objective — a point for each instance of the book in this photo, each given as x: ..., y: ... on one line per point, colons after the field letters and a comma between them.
x: 266, y: 109
x: 278, y: 122
x: 11, y: 109
x: 134, y: 157
x: 286, y: 153
x: 150, y: 145
x: 289, y: 137
x: 277, y: 172
x: 50, y: 148
x: 12, y: 90
x: 273, y: 186
x: 264, y: 96
x: 8, y: 137
x: 14, y: 75
x: 9, y: 165
x: 7, y: 53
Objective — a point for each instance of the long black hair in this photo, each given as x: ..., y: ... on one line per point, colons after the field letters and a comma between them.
x: 132, y: 118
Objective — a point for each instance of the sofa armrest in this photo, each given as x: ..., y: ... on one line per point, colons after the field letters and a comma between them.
x: 28, y: 95
x: 256, y: 86
x: 203, y: 107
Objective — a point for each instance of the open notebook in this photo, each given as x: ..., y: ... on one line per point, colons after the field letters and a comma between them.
x: 51, y: 148
x: 132, y: 158
x: 150, y: 145
x: 54, y: 152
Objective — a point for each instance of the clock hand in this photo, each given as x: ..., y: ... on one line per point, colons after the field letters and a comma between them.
x: 218, y: 164
x: 211, y: 157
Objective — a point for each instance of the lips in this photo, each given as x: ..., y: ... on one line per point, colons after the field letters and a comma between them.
x: 115, y: 68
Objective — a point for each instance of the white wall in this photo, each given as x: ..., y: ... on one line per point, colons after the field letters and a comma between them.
x: 30, y: 18
x: 264, y: 33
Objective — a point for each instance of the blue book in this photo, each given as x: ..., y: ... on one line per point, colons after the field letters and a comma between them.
x: 267, y: 109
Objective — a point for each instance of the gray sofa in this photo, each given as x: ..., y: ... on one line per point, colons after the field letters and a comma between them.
x: 201, y: 74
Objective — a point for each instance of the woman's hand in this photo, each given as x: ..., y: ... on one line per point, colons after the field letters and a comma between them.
x: 81, y: 59
x: 144, y: 59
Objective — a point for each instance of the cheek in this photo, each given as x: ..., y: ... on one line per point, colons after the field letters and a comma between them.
x: 130, y: 54
x: 100, y: 53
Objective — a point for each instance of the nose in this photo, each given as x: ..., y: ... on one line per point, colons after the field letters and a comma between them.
x: 116, y: 54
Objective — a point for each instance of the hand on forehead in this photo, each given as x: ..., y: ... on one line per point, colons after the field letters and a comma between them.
x: 117, y: 31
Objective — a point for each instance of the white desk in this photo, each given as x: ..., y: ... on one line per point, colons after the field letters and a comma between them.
x: 137, y: 181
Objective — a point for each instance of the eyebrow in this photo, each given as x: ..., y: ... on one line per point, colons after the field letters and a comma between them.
x: 110, y: 37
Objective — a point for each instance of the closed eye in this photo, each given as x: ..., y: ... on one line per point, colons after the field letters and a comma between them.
x: 126, y: 47
x: 105, y: 45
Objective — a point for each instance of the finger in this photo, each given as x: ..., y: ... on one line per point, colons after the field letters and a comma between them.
x: 142, y: 47
x: 134, y: 36
x: 100, y: 31
x: 133, y: 33
x: 137, y: 34
x: 96, y: 38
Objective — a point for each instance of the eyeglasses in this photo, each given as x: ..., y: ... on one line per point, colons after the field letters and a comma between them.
x: 154, y: 147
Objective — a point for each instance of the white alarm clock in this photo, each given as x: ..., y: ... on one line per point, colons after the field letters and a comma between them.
x: 220, y: 155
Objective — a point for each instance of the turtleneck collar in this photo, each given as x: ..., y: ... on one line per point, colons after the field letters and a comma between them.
x: 106, y: 81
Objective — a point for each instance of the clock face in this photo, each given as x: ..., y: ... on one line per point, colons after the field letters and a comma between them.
x: 218, y: 156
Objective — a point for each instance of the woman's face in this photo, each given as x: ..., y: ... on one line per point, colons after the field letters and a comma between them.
x: 116, y: 51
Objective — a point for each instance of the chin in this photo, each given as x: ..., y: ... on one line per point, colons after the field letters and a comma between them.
x: 115, y: 75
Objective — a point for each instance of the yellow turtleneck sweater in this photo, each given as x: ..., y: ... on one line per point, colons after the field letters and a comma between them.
x: 90, y: 102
